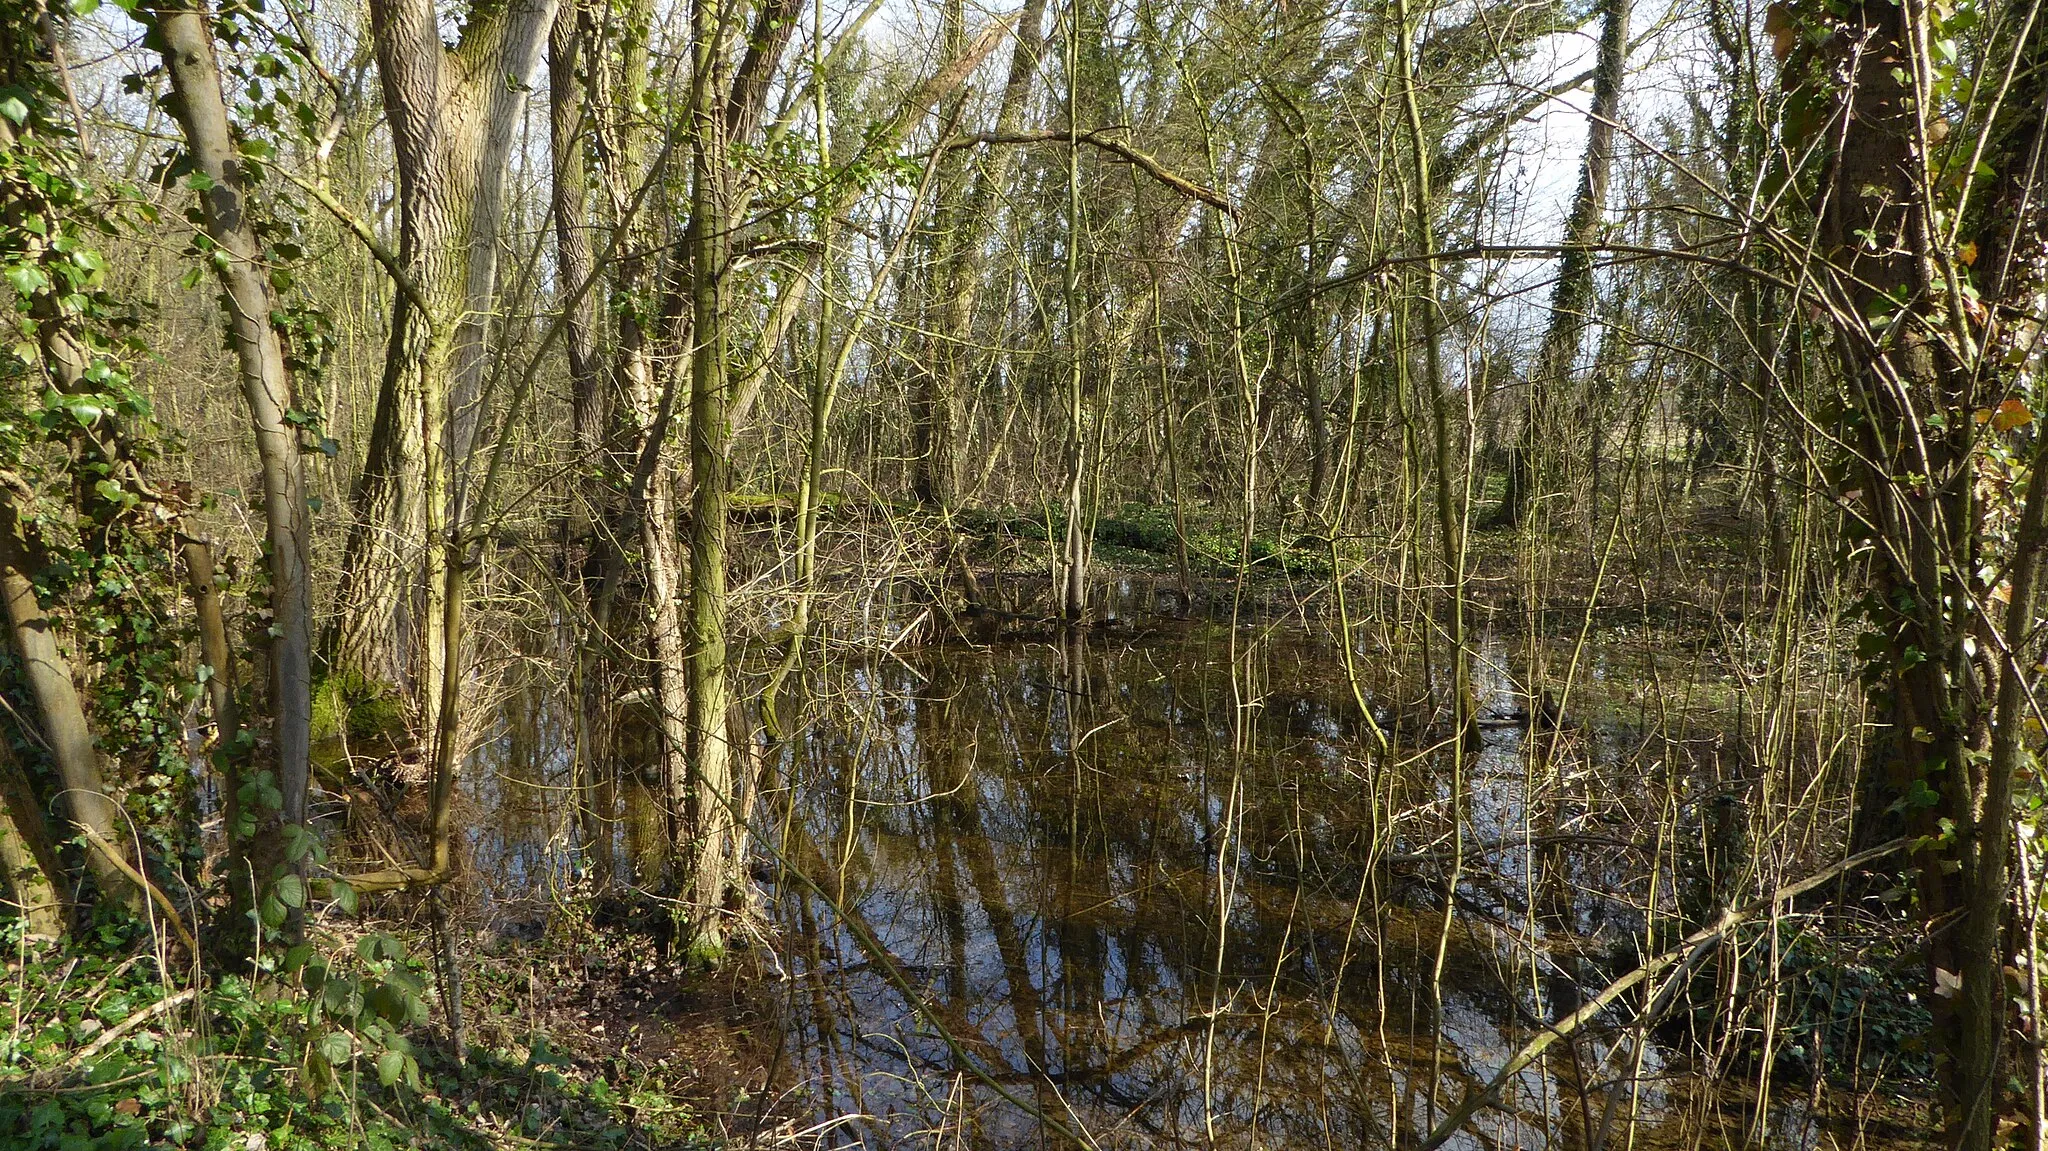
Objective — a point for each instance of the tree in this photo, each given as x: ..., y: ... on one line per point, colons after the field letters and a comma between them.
x: 238, y: 257
x: 1571, y: 301
x: 1923, y: 281
x: 453, y: 112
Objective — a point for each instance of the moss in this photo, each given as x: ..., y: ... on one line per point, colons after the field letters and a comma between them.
x: 345, y: 703
x: 328, y: 710
x: 706, y: 952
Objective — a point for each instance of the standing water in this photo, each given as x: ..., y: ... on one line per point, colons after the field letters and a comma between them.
x: 1116, y: 890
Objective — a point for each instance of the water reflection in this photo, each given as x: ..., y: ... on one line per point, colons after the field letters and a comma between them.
x: 1139, y: 897
x: 1114, y: 886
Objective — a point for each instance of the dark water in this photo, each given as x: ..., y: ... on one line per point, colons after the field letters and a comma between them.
x: 1141, y: 890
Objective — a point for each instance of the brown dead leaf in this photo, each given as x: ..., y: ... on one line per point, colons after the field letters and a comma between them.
x: 1783, y: 30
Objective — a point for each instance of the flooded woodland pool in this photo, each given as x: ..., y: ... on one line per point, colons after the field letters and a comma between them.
x: 1161, y: 887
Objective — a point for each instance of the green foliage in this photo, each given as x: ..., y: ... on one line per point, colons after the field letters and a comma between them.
x: 317, y: 1050
x: 76, y: 441
x: 1843, y: 1012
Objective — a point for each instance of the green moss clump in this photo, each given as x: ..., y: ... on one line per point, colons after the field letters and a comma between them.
x: 346, y: 703
x: 706, y: 952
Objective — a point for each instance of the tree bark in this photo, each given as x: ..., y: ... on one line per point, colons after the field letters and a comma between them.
x: 219, y: 659
x: 187, y: 46
x: 65, y: 728
x: 1953, y: 673
x: 26, y: 853
x: 570, y: 53
x: 962, y: 231
x: 452, y: 113
x: 711, y: 871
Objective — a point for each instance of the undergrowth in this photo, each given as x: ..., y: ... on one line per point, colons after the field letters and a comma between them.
x: 105, y: 1046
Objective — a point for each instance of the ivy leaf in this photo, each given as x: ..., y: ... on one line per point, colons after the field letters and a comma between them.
x: 27, y: 278
x: 85, y: 411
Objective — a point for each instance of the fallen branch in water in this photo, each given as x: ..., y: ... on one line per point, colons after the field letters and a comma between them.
x: 1690, y: 951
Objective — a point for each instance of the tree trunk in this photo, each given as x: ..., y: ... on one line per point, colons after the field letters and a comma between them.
x: 962, y: 231
x: 214, y: 649
x: 570, y: 54
x: 187, y: 45
x: 452, y: 113
x: 26, y: 853
x: 1953, y: 676
x: 65, y: 728
x: 713, y: 874
x: 1571, y: 301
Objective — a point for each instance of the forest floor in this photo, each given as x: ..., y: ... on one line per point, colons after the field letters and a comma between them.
x: 689, y: 1050
x: 585, y: 1043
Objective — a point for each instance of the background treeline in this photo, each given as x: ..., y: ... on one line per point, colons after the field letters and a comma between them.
x: 346, y: 337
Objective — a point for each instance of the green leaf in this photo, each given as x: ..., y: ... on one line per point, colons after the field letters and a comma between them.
x: 199, y: 181
x: 344, y: 897
x: 343, y: 998
x: 390, y: 1067
x: 291, y: 890
x: 27, y: 279
x: 14, y: 109
x: 336, y: 1047
x: 190, y: 279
